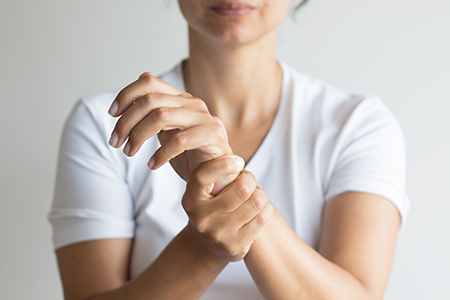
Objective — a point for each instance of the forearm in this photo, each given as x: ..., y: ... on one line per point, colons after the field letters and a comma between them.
x: 184, y: 270
x: 283, y: 266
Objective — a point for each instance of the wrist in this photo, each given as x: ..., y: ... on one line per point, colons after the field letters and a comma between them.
x: 202, y: 249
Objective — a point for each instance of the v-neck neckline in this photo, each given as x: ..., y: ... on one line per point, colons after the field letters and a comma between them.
x: 260, y: 157
x: 261, y: 154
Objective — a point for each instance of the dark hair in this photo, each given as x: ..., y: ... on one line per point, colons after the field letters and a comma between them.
x: 297, y: 8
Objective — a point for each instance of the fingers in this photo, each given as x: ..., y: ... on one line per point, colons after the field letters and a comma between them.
x: 204, y: 177
x: 233, y: 219
x: 195, y: 137
x: 251, y: 207
x: 149, y: 106
x: 159, y: 119
x: 236, y: 242
x: 251, y: 230
x: 152, y: 113
x: 137, y: 112
x: 237, y: 193
x: 231, y: 232
x: 146, y: 84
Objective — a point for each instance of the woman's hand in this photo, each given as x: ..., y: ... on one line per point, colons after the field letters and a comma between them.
x: 189, y: 135
x: 226, y: 224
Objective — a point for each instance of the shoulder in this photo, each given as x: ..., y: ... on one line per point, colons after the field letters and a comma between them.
x: 91, y: 111
x: 330, y: 106
x: 355, y: 141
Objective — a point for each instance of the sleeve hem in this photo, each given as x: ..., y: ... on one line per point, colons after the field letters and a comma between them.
x: 91, y: 230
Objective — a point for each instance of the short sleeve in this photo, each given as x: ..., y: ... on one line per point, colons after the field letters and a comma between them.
x: 370, y: 157
x: 92, y: 199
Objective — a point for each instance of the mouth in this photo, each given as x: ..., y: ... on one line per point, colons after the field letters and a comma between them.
x: 232, y: 9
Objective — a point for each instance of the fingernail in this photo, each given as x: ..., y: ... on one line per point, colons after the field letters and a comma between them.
x: 151, y: 162
x: 239, y: 161
x: 127, y: 148
x: 114, y: 139
x: 113, y: 109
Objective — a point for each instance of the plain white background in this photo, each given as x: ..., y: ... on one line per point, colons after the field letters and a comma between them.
x: 53, y: 52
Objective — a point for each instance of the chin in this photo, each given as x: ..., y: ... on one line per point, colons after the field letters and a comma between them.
x: 233, y: 37
x: 230, y: 34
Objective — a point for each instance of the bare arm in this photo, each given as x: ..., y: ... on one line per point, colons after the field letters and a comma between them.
x: 99, y: 270
x: 354, y: 260
x: 189, y: 136
x: 221, y: 229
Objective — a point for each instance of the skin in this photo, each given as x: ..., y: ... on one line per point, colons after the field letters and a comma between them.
x: 235, y: 71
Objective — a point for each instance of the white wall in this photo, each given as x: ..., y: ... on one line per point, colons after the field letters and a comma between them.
x: 53, y: 52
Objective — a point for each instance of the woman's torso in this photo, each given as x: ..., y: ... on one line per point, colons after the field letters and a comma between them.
x: 313, y: 133
x: 289, y: 165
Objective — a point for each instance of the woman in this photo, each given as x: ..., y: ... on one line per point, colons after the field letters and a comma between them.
x: 314, y: 214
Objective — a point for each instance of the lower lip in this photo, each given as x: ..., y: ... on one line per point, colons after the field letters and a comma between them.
x: 237, y: 12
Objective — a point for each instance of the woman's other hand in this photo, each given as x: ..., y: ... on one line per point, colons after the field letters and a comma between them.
x: 189, y: 135
x: 226, y: 224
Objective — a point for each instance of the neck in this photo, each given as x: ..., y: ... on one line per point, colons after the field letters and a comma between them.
x: 234, y: 80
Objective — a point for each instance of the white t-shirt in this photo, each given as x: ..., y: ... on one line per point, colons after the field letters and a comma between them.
x: 323, y: 142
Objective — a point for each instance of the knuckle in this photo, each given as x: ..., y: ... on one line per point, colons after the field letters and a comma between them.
x: 258, y: 202
x: 148, y: 79
x: 202, y: 226
x: 231, y: 250
x: 236, y: 251
x: 185, y: 95
x: 261, y: 193
x: 198, y: 178
x: 135, y: 135
x: 162, y: 114
x: 145, y: 74
x: 121, y: 124
x: 247, y: 178
x: 148, y: 99
x: 218, y: 237
x: 261, y: 219
x: 199, y: 103
x: 243, y: 190
x: 227, y: 164
x: 180, y: 139
x: 264, y: 217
